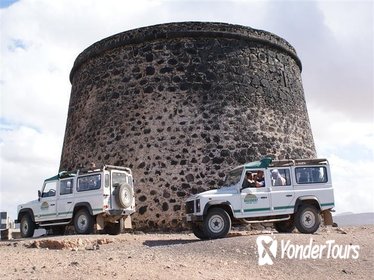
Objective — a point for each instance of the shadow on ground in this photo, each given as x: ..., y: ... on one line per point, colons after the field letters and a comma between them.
x: 157, y: 243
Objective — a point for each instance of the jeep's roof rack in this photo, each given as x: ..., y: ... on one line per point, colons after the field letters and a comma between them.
x: 117, y: 167
x: 80, y: 171
x: 268, y: 162
x: 312, y: 161
x: 104, y: 167
x: 292, y: 162
x: 283, y: 162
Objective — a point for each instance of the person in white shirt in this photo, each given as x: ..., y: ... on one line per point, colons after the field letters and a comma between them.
x: 277, y: 179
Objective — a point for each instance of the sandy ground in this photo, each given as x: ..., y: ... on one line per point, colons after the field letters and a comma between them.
x: 182, y: 256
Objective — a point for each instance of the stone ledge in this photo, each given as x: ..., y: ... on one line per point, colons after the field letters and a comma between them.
x: 185, y: 30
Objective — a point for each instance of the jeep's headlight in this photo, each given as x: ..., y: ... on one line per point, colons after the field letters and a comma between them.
x: 197, y: 205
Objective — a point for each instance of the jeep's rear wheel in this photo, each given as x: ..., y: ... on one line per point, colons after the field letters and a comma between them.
x: 217, y: 223
x: 197, y: 230
x: 124, y: 195
x: 27, y: 226
x: 83, y: 222
x: 307, y: 219
x: 285, y: 226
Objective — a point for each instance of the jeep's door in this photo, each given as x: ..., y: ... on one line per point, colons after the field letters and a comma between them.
x: 255, y: 202
x: 47, y: 202
x: 65, y: 202
x: 282, y: 191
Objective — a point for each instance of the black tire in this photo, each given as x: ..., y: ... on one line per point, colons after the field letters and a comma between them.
x: 197, y: 230
x: 124, y: 195
x: 83, y: 222
x: 27, y: 226
x: 307, y: 219
x: 58, y: 230
x: 217, y: 224
x: 114, y: 228
x: 285, y: 226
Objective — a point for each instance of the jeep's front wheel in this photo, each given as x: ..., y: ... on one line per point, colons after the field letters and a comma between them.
x: 197, y: 230
x: 217, y: 224
x: 27, y: 226
x: 83, y: 222
x: 307, y: 219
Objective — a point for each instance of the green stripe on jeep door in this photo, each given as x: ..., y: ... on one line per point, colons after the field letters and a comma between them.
x: 50, y: 214
x: 328, y: 204
x: 256, y: 209
x: 253, y: 210
x: 278, y: 208
x: 284, y: 207
x: 65, y: 213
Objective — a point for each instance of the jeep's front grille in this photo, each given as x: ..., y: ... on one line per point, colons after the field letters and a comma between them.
x: 190, y: 207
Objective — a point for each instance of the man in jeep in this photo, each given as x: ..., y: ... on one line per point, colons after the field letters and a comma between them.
x: 299, y: 199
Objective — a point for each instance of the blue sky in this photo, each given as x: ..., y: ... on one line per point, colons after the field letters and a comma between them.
x: 6, y: 3
x: 41, y: 39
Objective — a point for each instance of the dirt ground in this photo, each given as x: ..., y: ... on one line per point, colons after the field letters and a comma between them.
x: 182, y: 256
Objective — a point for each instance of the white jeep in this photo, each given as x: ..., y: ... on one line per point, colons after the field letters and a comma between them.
x: 103, y: 197
x: 289, y: 193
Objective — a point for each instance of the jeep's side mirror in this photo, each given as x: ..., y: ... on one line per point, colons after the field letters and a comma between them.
x: 39, y: 194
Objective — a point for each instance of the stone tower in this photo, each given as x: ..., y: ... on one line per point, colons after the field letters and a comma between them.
x: 181, y: 103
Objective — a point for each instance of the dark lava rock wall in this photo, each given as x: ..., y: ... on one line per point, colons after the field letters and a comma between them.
x: 180, y: 104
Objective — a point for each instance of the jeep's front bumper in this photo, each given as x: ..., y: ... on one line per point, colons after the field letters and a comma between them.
x: 193, y: 211
x: 191, y: 218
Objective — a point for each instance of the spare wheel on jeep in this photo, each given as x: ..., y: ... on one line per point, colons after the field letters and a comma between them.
x: 124, y: 196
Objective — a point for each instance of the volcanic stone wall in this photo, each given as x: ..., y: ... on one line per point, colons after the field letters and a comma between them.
x: 182, y: 103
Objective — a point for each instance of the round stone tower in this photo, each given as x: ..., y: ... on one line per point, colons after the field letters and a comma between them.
x: 180, y: 104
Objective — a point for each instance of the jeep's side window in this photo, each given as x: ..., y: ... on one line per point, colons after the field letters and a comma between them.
x: 311, y: 175
x: 49, y: 189
x: 280, y: 177
x: 87, y: 183
x: 66, y: 187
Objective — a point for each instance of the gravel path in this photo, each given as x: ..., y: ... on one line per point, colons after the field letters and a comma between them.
x: 182, y: 256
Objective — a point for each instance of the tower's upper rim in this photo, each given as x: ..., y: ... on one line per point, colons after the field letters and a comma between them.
x: 184, y: 30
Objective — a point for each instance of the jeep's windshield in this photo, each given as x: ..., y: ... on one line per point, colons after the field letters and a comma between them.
x: 233, y: 177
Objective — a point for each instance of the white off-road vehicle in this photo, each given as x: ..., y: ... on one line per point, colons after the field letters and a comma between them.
x: 96, y: 198
x: 289, y: 193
